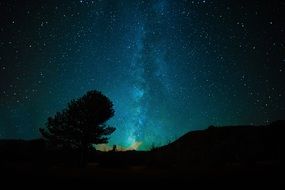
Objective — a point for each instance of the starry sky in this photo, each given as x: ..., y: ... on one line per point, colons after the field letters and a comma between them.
x: 168, y: 66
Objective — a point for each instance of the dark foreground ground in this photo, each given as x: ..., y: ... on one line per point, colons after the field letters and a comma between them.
x: 231, y: 177
x: 239, y: 157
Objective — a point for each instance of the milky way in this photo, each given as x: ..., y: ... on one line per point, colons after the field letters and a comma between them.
x: 146, y: 66
x: 168, y: 66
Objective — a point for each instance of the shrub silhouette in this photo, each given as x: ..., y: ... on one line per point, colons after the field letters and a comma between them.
x: 81, y: 124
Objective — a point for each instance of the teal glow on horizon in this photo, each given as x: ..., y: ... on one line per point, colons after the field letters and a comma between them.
x: 168, y: 66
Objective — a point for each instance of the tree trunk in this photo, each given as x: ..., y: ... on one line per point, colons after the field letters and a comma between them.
x: 84, y: 155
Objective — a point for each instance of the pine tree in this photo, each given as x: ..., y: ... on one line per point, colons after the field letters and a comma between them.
x: 81, y: 124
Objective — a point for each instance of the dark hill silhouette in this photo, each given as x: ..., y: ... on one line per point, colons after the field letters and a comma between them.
x: 20, y: 150
x: 228, y: 145
x: 253, y: 154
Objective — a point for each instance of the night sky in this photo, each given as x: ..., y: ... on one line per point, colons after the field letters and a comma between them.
x: 168, y: 66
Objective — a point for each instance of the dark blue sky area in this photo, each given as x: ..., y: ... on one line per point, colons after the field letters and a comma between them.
x: 168, y: 66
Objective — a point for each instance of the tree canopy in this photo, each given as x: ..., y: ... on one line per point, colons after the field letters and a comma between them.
x: 82, y: 123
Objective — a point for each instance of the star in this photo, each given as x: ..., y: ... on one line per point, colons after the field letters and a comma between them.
x: 169, y: 67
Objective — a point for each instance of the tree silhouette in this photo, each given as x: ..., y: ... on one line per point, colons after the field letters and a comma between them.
x: 81, y: 124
